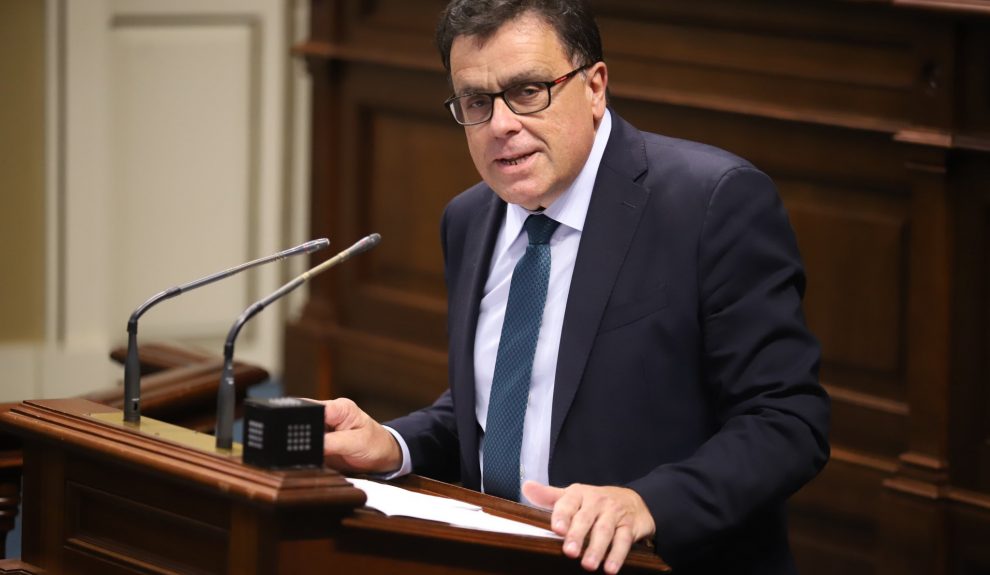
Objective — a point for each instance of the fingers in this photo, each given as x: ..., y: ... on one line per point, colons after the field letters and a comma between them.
x: 599, y: 522
x: 356, y: 442
x: 609, y: 519
x: 621, y: 544
x: 565, y: 520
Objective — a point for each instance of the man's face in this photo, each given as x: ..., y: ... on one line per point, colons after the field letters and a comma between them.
x: 528, y: 160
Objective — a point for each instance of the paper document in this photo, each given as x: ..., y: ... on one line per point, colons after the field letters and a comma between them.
x: 392, y: 500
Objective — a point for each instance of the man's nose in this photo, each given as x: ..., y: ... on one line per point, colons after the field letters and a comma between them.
x: 504, y: 121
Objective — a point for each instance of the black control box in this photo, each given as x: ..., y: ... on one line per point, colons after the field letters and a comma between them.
x: 283, y: 432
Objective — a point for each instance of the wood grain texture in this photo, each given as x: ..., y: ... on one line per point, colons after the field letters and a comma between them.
x: 873, y: 117
x: 103, y: 499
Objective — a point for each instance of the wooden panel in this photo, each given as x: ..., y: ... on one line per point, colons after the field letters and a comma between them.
x: 970, y: 551
x: 408, y: 159
x: 854, y: 241
x: 970, y: 426
x: 106, y: 527
x: 850, y: 65
x: 835, y: 520
x: 396, y: 164
x: 874, y: 121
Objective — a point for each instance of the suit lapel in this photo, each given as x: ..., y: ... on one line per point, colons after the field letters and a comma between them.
x: 617, y: 203
x: 479, y: 241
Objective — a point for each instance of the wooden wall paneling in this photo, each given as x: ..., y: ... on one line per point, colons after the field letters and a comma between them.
x: 827, y: 63
x: 929, y: 329
x: 974, y: 183
x: 973, y: 120
x: 390, y: 165
x: 873, y: 119
x: 835, y: 522
x: 970, y: 553
x: 934, y: 102
x: 914, y: 537
x: 970, y: 395
x: 980, y: 436
x: 405, y: 159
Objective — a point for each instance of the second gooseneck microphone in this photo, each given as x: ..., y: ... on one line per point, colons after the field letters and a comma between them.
x: 225, y: 395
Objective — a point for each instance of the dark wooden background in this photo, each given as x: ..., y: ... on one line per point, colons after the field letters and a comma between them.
x: 873, y: 117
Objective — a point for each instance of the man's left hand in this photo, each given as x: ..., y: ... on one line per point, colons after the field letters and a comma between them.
x: 606, y: 516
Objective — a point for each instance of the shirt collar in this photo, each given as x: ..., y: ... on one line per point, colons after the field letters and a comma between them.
x: 571, y: 207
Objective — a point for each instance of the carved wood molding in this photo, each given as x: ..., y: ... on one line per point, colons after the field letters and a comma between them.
x: 965, y: 6
x: 67, y: 422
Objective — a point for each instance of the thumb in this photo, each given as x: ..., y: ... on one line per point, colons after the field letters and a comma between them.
x: 338, y: 412
x: 541, y: 495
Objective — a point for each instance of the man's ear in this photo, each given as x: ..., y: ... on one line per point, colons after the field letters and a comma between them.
x: 597, y: 86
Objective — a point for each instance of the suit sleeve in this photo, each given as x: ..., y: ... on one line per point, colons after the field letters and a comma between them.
x: 431, y: 435
x: 760, y: 364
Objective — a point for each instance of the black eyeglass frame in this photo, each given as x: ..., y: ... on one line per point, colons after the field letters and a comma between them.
x: 450, y: 102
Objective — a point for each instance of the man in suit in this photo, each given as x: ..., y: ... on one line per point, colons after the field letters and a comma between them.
x: 667, y: 388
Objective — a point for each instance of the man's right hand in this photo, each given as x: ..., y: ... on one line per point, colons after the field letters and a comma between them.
x: 355, y: 442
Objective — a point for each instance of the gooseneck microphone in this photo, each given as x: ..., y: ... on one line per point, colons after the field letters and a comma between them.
x: 132, y: 365
x: 226, y: 395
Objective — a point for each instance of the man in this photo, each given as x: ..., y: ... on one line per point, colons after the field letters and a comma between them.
x: 658, y: 382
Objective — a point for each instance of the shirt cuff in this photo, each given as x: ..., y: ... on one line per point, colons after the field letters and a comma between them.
x: 406, y: 467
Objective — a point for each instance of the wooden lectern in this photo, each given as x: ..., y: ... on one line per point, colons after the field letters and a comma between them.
x: 103, y: 497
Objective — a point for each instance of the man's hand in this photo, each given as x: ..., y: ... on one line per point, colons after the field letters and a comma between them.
x: 607, y: 516
x: 356, y: 442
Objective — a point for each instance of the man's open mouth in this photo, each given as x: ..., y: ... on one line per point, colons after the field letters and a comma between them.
x: 512, y: 161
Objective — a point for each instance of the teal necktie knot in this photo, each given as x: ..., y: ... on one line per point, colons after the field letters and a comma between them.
x: 539, y: 228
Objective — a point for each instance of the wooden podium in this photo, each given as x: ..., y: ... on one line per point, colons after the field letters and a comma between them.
x: 102, y: 497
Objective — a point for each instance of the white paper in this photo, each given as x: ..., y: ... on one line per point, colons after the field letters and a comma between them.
x: 392, y: 500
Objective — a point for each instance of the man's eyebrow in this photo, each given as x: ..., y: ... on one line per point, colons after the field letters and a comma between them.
x: 517, y: 78
x: 469, y: 89
x: 524, y: 77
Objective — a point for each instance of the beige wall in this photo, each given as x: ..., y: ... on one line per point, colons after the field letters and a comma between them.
x: 143, y: 143
x: 22, y: 169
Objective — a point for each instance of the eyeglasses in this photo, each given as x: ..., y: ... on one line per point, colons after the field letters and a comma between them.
x: 522, y: 99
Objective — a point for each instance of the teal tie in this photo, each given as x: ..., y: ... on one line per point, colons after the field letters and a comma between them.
x: 514, y: 361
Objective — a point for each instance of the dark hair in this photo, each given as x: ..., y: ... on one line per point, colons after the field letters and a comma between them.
x: 572, y: 20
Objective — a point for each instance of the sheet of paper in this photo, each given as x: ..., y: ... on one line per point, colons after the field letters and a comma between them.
x: 392, y: 500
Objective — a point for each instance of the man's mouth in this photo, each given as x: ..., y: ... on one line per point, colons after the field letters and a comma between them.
x: 514, y: 160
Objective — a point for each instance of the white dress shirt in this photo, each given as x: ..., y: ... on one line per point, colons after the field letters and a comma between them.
x: 570, y: 210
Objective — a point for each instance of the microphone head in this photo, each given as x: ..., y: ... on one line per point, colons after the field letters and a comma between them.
x: 316, y: 245
x: 366, y: 243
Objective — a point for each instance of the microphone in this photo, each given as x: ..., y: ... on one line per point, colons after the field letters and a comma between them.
x: 225, y: 395
x: 132, y: 365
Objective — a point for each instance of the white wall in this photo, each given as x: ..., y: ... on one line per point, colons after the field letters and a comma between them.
x: 175, y: 148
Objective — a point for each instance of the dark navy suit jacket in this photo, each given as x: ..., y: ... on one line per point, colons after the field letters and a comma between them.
x: 685, y: 371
